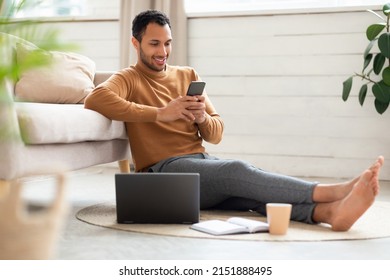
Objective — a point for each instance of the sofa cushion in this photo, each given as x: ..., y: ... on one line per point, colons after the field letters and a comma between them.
x: 67, y: 79
x: 42, y: 123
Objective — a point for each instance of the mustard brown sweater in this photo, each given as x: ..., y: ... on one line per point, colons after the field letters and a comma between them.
x: 133, y: 96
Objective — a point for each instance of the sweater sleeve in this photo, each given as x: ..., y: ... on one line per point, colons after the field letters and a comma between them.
x: 110, y: 99
x: 211, y: 129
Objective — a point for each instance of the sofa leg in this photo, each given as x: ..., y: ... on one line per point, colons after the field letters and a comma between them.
x: 124, y: 166
x: 4, y: 186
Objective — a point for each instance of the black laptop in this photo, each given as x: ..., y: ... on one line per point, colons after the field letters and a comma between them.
x: 157, y: 198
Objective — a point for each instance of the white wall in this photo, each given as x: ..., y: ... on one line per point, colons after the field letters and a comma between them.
x: 276, y: 79
x: 97, y: 39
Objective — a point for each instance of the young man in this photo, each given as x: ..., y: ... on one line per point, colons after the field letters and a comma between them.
x: 166, y: 129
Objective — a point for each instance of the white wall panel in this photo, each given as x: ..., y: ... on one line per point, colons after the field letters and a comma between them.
x: 99, y: 40
x: 277, y: 81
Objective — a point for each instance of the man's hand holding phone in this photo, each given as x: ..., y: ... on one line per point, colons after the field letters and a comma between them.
x: 199, y: 110
x: 190, y: 107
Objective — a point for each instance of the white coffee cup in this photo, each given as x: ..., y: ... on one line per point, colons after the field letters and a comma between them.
x: 278, y: 217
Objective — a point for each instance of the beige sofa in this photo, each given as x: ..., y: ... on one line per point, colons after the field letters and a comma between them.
x: 45, y: 130
x: 43, y: 137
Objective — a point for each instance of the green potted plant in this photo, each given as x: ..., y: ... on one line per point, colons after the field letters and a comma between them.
x: 375, y: 74
x: 32, y: 235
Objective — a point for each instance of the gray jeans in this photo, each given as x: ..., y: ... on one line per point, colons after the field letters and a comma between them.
x: 237, y: 185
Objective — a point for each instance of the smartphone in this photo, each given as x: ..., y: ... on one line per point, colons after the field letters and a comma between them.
x: 196, y: 88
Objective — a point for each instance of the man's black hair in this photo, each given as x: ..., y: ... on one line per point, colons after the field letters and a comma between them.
x: 144, y: 18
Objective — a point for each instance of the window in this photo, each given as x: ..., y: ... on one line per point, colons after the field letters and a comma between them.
x: 202, y: 6
x: 69, y: 8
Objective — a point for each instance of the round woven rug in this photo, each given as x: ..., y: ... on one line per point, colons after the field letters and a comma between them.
x: 375, y: 223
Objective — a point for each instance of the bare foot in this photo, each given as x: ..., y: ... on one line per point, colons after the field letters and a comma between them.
x: 375, y: 168
x: 377, y: 165
x: 348, y: 210
x: 338, y: 191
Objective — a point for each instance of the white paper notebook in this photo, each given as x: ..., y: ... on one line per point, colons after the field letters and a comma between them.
x: 231, y: 226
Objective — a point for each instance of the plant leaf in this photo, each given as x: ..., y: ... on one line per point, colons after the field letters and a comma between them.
x: 367, y: 60
x: 386, y: 76
x: 381, y: 91
x: 380, y: 106
x: 362, y: 94
x: 384, y: 44
x: 386, y: 9
x: 347, y: 86
x: 379, y: 61
x: 374, y: 30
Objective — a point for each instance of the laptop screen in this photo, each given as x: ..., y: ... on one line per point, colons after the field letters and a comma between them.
x: 157, y: 197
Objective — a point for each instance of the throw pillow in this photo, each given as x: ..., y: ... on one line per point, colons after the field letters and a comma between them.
x: 67, y: 79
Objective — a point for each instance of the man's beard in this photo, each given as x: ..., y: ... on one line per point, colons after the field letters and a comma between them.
x: 145, y: 61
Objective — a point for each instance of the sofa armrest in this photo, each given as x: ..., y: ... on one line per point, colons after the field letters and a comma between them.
x: 10, y: 137
x: 101, y: 76
x: 9, y: 125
